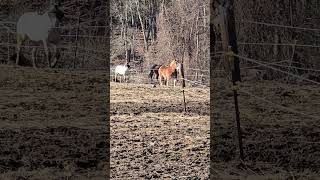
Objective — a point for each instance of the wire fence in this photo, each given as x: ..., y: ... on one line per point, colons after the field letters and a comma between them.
x: 270, y: 66
x: 86, y: 44
x: 275, y: 105
x: 273, y: 68
x: 297, y: 61
x: 279, y: 25
x: 274, y: 44
x: 134, y: 76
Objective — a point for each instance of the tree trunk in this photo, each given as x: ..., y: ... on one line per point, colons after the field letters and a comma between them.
x: 197, y: 41
x: 142, y: 26
x: 154, y: 20
x: 131, y: 15
x: 127, y: 49
x: 122, y: 23
x: 275, y: 46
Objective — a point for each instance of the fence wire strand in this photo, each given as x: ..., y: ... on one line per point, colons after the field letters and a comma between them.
x: 279, y: 25
x: 273, y: 68
x: 280, y: 106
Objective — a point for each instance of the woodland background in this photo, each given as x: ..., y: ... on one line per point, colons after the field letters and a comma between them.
x: 149, y: 31
x: 146, y: 32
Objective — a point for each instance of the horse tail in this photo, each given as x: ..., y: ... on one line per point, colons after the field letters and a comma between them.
x: 115, y: 75
x: 160, y: 69
x: 175, y: 74
x: 150, y: 74
x: 152, y: 70
x: 157, y: 71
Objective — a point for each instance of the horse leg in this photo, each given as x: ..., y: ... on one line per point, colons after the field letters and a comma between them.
x: 46, y: 51
x: 167, y: 81
x: 150, y: 76
x: 157, y: 75
x: 56, y: 56
x: 19, y: 42
x: 174, y: 82
x: 34, y: 57
x: 160, y: 80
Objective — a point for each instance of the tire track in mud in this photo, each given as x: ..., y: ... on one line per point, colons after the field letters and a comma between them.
x: 138, y: 108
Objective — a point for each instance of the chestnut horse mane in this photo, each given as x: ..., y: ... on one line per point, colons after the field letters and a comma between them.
x: 173, y: 62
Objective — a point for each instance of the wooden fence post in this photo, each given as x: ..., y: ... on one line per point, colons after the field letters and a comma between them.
x: 8, y: 46
x: 77, y: 34
x: 183, y: 86
x: 183, y: 80
x: 229, y: 40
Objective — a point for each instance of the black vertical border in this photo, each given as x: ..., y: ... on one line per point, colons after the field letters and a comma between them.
x: 212, y: 46
x: 108, y: 34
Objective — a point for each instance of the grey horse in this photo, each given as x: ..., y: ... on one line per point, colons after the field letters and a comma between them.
x: 36, y: 27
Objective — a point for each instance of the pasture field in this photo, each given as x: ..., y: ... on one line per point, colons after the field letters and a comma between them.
x: 152, y: 137
x: 52, y: 124
x: 278, y: 143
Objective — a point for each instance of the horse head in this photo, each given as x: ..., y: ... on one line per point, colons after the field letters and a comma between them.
x: 173, y: 63
x: 55, y: 11
x: 127, y: 64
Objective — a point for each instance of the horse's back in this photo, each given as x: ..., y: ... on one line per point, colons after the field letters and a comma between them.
x: 117, y: 69
x: 157, y: 67
x: 162, y: 68
x: 154, y: 67
x: 33, y: 25
x: 121, y: 69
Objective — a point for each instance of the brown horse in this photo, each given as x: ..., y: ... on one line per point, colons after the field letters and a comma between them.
x: 166, y: 73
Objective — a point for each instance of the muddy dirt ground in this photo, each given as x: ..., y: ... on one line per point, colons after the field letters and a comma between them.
x: 278, y: 143
x: 152, y: 137
x: 52, y: 124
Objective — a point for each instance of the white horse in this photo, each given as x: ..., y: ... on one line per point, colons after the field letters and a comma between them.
x: 121, y: 70
x: 176, y: 74
x: 37, y: 28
